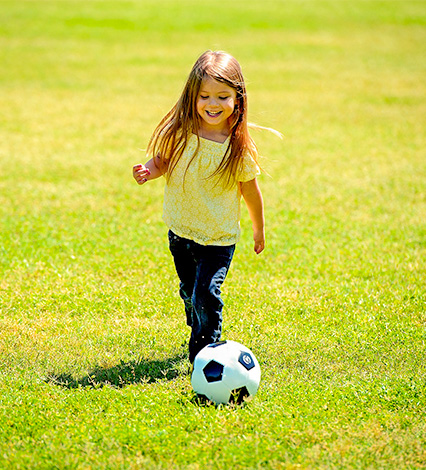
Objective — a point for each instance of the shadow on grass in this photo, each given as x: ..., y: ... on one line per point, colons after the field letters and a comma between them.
x: 124, y: 373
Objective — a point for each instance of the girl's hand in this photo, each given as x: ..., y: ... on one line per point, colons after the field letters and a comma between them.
x: 259, y: 241
x: 141, y: 173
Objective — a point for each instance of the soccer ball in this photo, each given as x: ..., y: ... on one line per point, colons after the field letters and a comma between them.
x: 225, y: 372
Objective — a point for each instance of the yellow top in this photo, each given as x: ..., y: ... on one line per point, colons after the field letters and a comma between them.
x: 200, y: 208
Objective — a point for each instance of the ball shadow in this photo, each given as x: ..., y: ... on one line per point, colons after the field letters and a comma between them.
x: 122, y: 374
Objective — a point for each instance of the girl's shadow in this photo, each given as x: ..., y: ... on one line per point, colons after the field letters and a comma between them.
x: 124, y: 373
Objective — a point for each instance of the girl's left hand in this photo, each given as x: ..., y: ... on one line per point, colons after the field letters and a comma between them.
x: 259, y: 241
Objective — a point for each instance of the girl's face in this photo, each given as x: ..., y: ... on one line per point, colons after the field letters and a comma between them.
x: 215, y: 104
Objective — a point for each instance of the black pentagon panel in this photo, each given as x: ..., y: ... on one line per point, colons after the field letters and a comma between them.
x: 215, y: 345
x: 238, y: 395
x: 213, y: 371
x: 246, y: 360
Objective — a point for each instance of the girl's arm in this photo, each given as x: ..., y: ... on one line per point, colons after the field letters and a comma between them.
x: 253, y: 199
x: 149, y: 171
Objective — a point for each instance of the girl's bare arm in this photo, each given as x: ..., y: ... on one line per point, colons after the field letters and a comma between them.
x: 254, y: 201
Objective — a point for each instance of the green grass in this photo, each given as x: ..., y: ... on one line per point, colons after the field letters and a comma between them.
x: 93, y: 369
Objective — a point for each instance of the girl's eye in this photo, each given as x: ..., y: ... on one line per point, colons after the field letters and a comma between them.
x: 203, y: 97
x: 223, y: 98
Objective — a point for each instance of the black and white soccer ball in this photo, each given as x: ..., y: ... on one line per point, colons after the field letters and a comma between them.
x: 225, y: 372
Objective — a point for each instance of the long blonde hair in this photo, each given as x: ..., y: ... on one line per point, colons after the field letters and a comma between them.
x: 173, y: 132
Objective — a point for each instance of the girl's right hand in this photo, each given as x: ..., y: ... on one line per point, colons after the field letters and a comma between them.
x: 141, y: 173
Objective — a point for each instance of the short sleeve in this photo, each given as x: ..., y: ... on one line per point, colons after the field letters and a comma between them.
x: 249, y: 169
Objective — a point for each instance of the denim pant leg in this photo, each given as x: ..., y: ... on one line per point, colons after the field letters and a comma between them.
x: 212, y: 267
x: 186, y: 268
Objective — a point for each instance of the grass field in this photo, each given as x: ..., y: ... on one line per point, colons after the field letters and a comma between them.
x: 93, y: 368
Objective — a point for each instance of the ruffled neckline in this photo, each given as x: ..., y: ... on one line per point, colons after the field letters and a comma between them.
x: 212, y: 142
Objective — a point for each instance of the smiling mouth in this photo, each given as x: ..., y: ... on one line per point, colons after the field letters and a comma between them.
x: 211, y: 114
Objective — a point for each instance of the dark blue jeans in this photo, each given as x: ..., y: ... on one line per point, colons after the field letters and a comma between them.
x: 201, y: 270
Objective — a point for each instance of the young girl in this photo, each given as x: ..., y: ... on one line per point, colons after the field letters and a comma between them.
x: 204, y: 150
